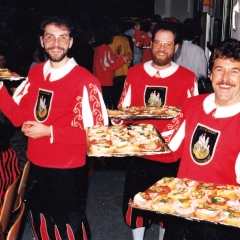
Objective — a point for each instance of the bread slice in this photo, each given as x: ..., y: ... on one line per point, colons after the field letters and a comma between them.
x: 163, y: 204
x: 142, y: 199
x: 184, y: 207
x: 168, y: 181
x: 126, y: 147
x: 208, y: 213
x: 101, y: 148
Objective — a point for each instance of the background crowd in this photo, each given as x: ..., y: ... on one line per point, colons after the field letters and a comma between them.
x: 128, y: 39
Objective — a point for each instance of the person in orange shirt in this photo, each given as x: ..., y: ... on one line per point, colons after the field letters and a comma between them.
x: 120, y: 73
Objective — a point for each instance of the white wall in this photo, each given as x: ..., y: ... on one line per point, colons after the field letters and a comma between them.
x: 180, y: 9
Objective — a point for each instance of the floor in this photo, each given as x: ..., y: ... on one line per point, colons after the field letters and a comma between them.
x: 104, y: 203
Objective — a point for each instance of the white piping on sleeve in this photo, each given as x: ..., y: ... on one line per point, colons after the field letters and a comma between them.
x: 127, y: 99
x: 86, y: 110
x: 177, y: 139
x: 237, y: 169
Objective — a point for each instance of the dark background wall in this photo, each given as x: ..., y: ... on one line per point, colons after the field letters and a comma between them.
x: 27, y: 14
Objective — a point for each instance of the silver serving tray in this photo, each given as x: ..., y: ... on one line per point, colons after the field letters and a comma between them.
x: 142, y: 116
x: 165, y: 149
x: 179, y: 215
x: 11, y: 78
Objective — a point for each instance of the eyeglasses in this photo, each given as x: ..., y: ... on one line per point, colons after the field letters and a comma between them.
x: 166, y: 45
x: 62, y: 39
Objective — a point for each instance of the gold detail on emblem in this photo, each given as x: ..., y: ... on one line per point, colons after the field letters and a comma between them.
x: 42, y: 109
x: 201, y: 147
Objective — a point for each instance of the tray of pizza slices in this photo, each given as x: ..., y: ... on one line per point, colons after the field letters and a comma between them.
x: 192, y: 200
x: 144, y: 112
x: 125, y: 140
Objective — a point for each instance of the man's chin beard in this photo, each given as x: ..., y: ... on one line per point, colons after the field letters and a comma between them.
x: 56, y: 59
x: 161, y: 63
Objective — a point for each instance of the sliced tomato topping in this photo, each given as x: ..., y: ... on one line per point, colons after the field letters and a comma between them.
x: 145, y: 195
x: 158, y: 189
x: 208, y: 186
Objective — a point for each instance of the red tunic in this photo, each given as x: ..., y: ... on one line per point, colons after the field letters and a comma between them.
x: 206, y: 138
x: 175, y: 85
x: 68, y: 104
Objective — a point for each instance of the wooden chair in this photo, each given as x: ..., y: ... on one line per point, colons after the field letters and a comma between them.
x: 8, y: 204
x: 14, y: 230
x: 23, y: 182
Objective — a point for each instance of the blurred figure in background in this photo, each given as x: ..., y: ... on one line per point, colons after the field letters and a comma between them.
x: 142, y: 37
x: 189, y: 54
x: 120, y: 73
x: 85, y: 51
x: 21, y: 57
x: 4, y: 63
x: 105, y: 61
x: 38, y: 56
x: 137, y: 51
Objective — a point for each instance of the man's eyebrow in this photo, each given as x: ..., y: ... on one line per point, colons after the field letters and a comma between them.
x: 217, y: 67
x: 236, y: 68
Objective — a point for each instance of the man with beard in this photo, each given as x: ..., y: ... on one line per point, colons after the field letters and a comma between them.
x: 154, y: 83
x: 59, y: 101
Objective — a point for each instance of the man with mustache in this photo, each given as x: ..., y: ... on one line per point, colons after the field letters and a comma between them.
x: 59, y: 101
x: 206, y: 137
x: 154, y: 83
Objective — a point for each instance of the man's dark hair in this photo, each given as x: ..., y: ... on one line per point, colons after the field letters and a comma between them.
x: 156, y: 18
x: 104, y: 32
x: 2, y: 53
x: 57, y: 21
x: 167, y: 26
x: 228, y: 49
x: 191, y: 29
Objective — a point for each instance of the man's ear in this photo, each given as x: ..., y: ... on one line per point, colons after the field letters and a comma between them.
x: 175, y: 48
x: 151, y: 44
x: 71, y: 43
x: 211, y: 76
x: 41, y: 41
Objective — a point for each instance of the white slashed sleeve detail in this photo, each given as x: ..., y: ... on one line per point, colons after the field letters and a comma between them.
x: 195, y: 92
x: 104, y: 110
x: 237, y: 169
x: 21, y: 90
x: 127, y: 98
x: 177, y: 139
x: 167, y: 133
x: 87, y: 117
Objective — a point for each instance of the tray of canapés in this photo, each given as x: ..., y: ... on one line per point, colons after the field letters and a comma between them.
x: 6, y: 74
x: 144, y: 112
x: 125, y: 140
x: 192, y: 200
